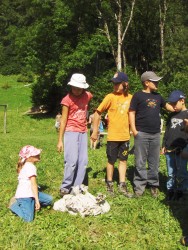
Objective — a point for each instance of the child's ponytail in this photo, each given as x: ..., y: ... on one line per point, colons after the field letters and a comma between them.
x: 20, y: 164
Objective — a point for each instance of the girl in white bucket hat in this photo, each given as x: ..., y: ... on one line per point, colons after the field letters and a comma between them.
x: 79, y: 81
x: 73, y: 133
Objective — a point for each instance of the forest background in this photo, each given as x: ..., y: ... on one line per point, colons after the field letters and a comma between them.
x: 46, y: 41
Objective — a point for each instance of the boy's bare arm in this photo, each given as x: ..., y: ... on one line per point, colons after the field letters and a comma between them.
x: 96, y: 121
x: 186, y: 122
x: 169, y: 107
x: 65, y: 111
x: 132, y: 122
x: 186, y: 125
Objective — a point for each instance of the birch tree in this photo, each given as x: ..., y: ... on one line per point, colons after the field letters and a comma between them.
x: 163, y: 13
x: 116, y: 13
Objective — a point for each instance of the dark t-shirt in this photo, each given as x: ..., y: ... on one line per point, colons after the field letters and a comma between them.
x: 147, y: 107
x: 175, y: 135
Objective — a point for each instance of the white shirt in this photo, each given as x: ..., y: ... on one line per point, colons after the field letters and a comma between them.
x: 24, y: 189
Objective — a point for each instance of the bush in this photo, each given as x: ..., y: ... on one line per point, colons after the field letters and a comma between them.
x: 5, y: 86
x: 25, y: 78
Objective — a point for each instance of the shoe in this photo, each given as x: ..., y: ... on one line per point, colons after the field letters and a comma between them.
x: 137, y: 194
x: 63, y: 192
x: 110, y: 188
x: 11, y: 202
x: 184, y: 241
x: 170, y: 195
x: 154, y: 192
x: 124, y: 191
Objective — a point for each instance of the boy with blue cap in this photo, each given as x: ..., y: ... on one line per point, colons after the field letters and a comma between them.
x: 174, y: 144
x: 117, y: 104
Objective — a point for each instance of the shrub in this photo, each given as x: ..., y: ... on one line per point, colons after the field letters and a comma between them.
x: 29, y: 77
x: 6, y: 86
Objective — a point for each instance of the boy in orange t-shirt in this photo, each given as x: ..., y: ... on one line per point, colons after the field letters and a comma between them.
x: 117, y: 104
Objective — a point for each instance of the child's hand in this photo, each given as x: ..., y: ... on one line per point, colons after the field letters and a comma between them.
x: 60, y: 146
x: 163, y: 150
x: 135, y: 133
x: 37, y: 205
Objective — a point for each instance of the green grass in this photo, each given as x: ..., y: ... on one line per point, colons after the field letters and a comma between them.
x: 144, y: 223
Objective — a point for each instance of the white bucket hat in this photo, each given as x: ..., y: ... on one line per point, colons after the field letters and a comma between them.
x: 79, y: 81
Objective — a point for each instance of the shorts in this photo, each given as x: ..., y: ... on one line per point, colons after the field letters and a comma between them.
x: 117, y: 149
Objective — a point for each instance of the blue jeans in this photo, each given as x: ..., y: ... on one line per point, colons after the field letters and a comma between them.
x: 75, y: 159
x: 177, y: 172
x: 147, y: 151
x: 25, y: 207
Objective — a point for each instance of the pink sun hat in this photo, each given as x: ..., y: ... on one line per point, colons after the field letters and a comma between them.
x: 28, y: 151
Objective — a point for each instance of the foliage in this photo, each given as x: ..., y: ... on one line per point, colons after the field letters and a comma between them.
x: 27, y: 77
x: 53, y: 39
x: 5, y: 86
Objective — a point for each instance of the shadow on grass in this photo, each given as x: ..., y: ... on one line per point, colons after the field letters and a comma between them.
x: 41, y: 116
x: 86, y: 178
x: 162, y: 182
x: 178, y: 209
x: 130, y: 173
x: 103, y: 173
x: 42, y: 188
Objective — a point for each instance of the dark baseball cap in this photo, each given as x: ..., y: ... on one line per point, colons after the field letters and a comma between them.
x: 119, y: 77
x: 175, y: 96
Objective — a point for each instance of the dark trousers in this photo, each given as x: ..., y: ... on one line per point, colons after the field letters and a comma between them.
x: 147, y: 150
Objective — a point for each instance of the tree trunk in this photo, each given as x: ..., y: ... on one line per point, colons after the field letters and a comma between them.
x: 162, y: 11
x: 119, y: 54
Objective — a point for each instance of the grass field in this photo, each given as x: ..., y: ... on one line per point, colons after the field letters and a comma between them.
x: 134, y: 224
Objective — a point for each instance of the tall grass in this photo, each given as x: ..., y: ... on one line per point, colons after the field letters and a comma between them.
x: 144, y: 223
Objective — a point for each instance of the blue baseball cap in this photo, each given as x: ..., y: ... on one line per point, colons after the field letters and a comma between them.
x: 119, y: 77
x: 175, y: 96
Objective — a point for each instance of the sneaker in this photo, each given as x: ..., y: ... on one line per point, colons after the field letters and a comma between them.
x: 137, y: 194
x: 110, y: 187
x: 63, y: 192
x: 154, y: 192
x: 11, y: 202
x: 124, y: 191
x: 184, y: 241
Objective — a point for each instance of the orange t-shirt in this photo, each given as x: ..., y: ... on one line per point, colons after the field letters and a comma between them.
x: 118, y: 115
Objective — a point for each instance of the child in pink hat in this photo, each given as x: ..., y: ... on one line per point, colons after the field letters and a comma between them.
x: 27, y: 198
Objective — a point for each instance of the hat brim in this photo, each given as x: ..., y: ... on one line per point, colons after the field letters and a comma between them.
x: 78, y: 85
x: 156, y: 79
x: 36, y: 152
x: 173, y: 100
x: 115, y: 81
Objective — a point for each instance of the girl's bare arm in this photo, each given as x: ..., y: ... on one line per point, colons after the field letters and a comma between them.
x: 64, y: 117
x: 34, y: 187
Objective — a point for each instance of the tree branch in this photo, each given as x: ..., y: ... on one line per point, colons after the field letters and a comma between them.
x: 130, y: 18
